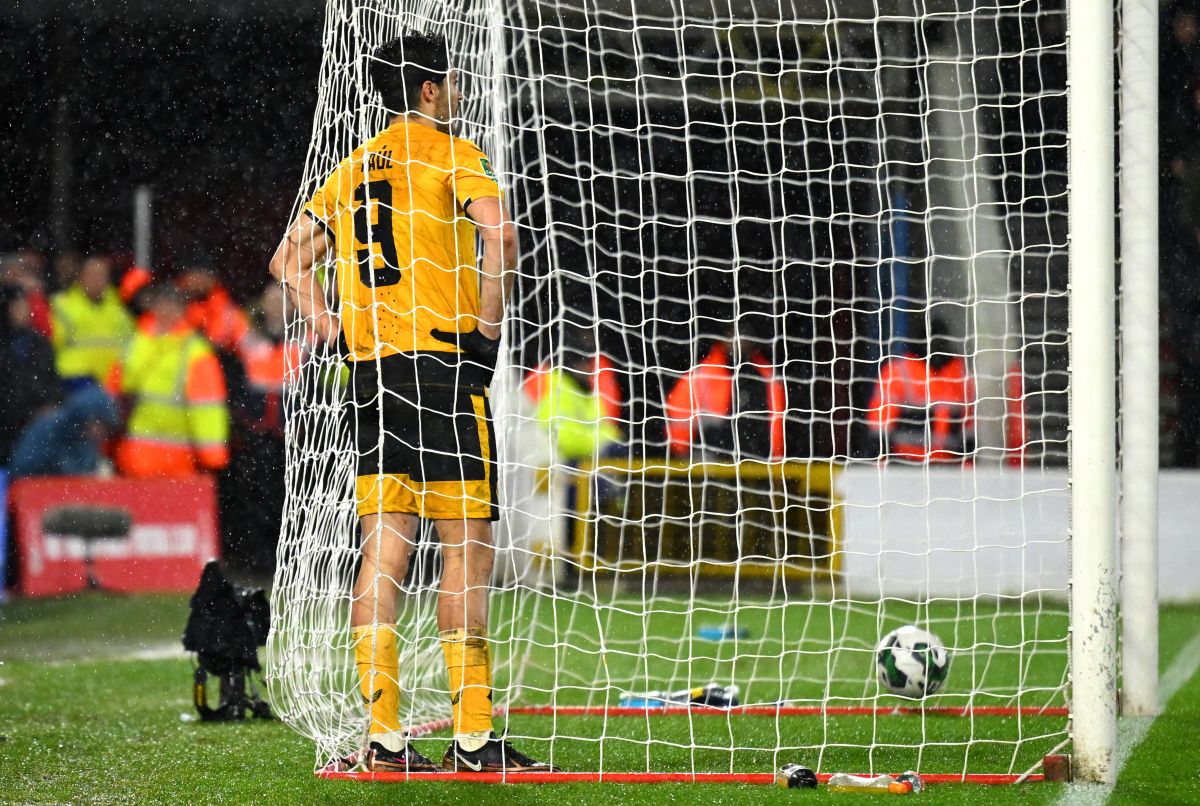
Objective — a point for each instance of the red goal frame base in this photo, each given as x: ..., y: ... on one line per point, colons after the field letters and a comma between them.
x: 786, y: 710
x: 758, y: 778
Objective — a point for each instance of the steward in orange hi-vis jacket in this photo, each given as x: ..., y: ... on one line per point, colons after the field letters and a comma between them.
x: 211, y: 311
x: 178, y: 423
x: 722, y: 408
x: 924, y: 406
x: 268, y: 357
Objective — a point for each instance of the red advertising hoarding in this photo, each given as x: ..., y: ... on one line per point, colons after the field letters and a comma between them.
x: 173, y: 533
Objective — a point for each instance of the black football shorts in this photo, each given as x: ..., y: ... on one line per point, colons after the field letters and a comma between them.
x: 427, y: 449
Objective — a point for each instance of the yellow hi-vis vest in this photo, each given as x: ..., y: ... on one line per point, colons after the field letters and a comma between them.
x: 156, y: 374
x: 574, y: 416
x: 89, y: 337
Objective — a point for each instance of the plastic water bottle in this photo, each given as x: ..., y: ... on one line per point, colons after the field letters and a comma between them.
x: 844, y: 782
x: 722, y: 632
x: 881, y: 784
x: 651, y: 699
x: 713, y: 695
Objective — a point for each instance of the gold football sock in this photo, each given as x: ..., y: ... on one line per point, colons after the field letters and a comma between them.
x: 376, y: 659
x: 469, y: 665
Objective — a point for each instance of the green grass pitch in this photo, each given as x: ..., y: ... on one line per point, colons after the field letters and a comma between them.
x: 797, y: 667
x: 85, y: 718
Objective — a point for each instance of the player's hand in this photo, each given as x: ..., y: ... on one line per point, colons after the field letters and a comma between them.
x: 478, y: 347
x: 328, y: 327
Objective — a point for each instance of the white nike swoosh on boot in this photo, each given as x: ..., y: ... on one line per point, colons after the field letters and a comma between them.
x: 470, y: 766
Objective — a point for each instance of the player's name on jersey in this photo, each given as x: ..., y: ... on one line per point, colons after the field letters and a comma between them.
x: 379, y: 160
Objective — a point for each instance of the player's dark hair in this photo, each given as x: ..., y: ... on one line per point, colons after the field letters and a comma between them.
x: 400, y: 68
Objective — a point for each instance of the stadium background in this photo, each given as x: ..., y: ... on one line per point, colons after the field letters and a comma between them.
x: 210, y: 104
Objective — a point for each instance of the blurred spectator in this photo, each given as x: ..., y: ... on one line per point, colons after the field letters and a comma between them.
x: 266, y: 355
x: 31, y: 383
x: 133, y: 283
x: 66, y: 270
x: 600, y: 377
x: 731, y: 403
x: 33, y: 265
x: 923, y: 405
x: 210, y: 309
x: 572, y: 410
x: 67, y: 440
x: 212, y: 312
x: 178, y: 423
x: 23, y: 270
x: 251, y: 493
x: 92, y: 328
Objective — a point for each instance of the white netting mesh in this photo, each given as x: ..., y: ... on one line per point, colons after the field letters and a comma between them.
x: 847, y: 186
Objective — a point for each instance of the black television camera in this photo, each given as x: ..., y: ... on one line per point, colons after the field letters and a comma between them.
x: 226, y: 626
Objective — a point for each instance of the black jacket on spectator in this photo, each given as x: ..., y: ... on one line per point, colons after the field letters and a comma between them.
x: 29, y: 381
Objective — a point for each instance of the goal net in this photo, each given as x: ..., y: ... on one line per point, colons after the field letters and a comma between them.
x: 807, y: 263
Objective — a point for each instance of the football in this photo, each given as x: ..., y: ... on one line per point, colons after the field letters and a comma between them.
x: 912, y: 662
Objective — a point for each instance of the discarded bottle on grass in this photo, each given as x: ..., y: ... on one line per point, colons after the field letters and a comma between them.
x: 794, y: 776
x: 651, y: 699
x: 713, y: 695
x: 912, y: 779
x: 722, y: 632
x: 844, y: 781
x: 880, y: 784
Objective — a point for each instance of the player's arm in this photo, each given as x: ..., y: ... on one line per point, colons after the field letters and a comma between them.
x: 302, y: 248
x: 497, y: 264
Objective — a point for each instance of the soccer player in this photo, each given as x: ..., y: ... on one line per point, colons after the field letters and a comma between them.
x: 421, y: 322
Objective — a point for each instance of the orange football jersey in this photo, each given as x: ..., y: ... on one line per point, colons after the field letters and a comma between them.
x: 404, y: 248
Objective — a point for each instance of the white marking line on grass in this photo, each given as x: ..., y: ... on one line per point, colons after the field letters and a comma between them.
x: 1131, y: 730
x: 168, y: 651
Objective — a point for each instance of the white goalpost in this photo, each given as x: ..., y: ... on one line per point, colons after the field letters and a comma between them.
x: 1139, y: 356
x: 837, y: 282
x: 1093, y: 393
